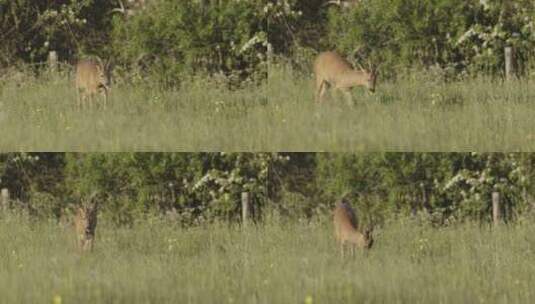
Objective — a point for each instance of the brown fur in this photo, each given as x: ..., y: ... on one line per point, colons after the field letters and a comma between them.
x: 85, y: 225
x: 346, y: 231
x: 332, y: 70
x: 92, y: 77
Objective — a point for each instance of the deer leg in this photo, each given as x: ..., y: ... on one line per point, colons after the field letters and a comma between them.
x: 319, y: 83
x: 347, y: 94
x: 105, y: 93
x: 91, y: 101
x: 320, y: 92
x: 343, y: 247
x: 81, y: 243
x: 88, y: 245
x: 86, y: 100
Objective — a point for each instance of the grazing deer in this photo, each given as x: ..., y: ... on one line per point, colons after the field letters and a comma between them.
x: 333, y: 70
x: 92, y: 77
x: 85, y: 224
x: 345, y: 229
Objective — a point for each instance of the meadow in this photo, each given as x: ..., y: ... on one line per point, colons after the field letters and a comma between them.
x: 275, y: 262
x: 412, y: 114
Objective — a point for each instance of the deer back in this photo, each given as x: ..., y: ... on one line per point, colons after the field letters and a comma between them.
x: 330, y: 65
x: 345, y: 221
x: 91, y: 75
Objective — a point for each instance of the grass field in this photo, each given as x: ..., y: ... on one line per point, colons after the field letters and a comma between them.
x: 155, y: 262
x: 43, y: 116
x: 418, y: 114
x: 410, y: 115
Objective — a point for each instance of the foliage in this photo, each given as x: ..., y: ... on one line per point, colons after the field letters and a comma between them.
x: 457, y: 36
x: 205, y: 187
x: 30, y: 29
x: 469, y: 189
x: 195, y: 187
x: 445, y: 185
x: 173, y: 37
x: 26, y: 173
x: 399, y: 32
x: 296, y: 30
x: 497, y: 24
x: 167, y: 38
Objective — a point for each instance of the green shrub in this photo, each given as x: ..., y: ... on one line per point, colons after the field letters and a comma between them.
x: 174, y: 38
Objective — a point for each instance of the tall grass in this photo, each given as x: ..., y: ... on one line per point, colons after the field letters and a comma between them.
x: 418, y: 113
x: 156, y: 262
x: 415, y: 114
x: 43, y: 116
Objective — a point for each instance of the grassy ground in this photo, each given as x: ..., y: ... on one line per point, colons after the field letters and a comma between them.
x: 411, y: 115
x: 276, y: 263
x: 419, y: 114
x: 44, y: 116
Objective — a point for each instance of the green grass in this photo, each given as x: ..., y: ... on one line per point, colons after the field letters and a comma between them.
x: 156, y: 262
x: 418, y: 114
x: 43, y: 116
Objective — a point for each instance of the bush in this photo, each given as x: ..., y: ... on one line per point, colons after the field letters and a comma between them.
x: 173, y: 38
x: 460, y: 35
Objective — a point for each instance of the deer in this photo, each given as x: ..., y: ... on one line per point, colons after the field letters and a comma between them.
x: 346, y: 231
x: 92, y: 77
x: 331, y: 70
x: 85, y: 223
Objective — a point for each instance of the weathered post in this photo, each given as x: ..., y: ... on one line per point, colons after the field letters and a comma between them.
x: 4, y: 199
x: 245, y: 206
x: 53, y: 61
x: 425, y: 200
x: 495, y: 208
x: 509, y: 63
x: 269, y: 54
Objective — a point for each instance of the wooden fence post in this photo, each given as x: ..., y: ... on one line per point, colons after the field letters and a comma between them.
x: 53, y: 61
x: 4, y: 199
x: 509, y: 63
x: 495, y: 208
x: 269, y: 55
x: 245, y: 206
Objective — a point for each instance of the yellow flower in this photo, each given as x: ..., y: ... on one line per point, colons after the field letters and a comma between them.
x: 308, y: 300
x: 56, y: 299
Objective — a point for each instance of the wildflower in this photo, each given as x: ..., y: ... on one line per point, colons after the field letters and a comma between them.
x: 56, y: 299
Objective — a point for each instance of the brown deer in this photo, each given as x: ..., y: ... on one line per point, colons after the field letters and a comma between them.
x: 92, y: 77
x: 331, y: 70
x: 346, y: 231
x: 85, y: 224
